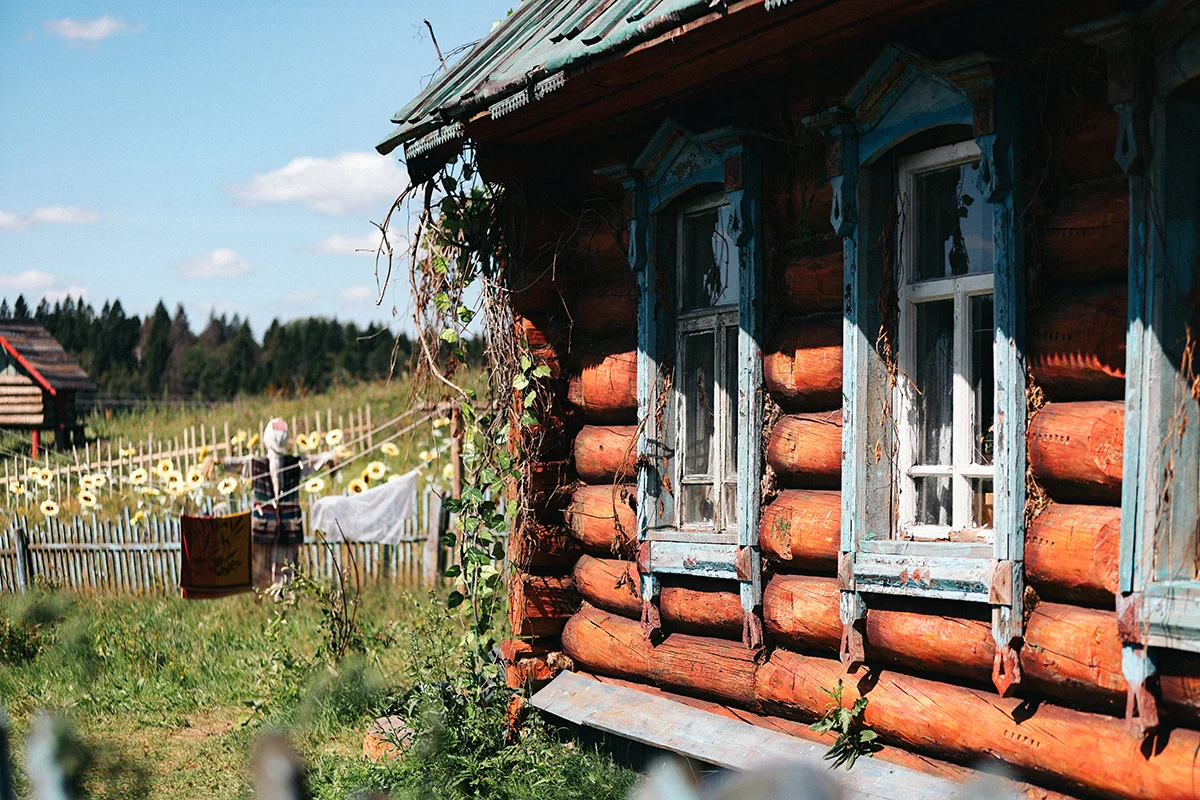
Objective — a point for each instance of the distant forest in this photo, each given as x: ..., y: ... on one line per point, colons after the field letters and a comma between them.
x: 161, y: 356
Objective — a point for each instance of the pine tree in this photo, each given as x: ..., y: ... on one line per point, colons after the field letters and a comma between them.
x: 21, y: 308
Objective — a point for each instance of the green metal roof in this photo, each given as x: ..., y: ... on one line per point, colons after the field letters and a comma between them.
x: 531, y: 54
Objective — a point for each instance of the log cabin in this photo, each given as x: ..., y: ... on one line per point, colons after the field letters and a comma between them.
x: 41, y: 386
x: 796, y: 452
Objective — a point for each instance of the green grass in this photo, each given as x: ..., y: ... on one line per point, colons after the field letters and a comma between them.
x: 168, y: 697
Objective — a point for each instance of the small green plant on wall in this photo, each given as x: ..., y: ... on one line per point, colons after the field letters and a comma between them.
x: 853, y: 738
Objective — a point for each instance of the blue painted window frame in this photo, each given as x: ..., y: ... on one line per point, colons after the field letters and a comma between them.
x: 900, y: 96
x: 675, y: 163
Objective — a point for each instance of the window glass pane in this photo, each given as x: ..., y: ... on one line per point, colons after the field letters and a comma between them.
x: 933, y: 501
x: 710, y: 261
x: 953, y: 224
x: 731, y: 395
x: 933, y: 377
x: 731, y: 509
x: 982, y: 503
x: 698, y: 504
x: 696, y: 383
x: 982, y: 379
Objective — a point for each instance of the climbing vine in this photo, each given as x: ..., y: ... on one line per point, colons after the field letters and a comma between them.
x: 457, y: 256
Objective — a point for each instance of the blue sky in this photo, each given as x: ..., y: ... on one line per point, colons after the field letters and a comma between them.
x: 216, y: 154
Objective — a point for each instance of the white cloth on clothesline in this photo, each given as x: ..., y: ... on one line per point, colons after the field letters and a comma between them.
x: 377, y: 515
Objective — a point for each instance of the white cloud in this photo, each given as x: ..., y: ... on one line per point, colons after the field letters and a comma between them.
x: 36, y: 285
x: 89, y: 30
x: 339, y: 185
x: 27, y: 281
x: 356, y: 295
x: 47, y: 215
x: 220, y: 263
x: 339, y: 245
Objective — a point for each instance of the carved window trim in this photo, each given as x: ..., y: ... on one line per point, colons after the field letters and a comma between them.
x: 1152, y: 59
x: 976, y: 94
x: 674, y: 164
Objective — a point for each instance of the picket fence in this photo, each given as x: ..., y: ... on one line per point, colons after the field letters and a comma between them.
x: 117, y: 459
x: 142, y: 557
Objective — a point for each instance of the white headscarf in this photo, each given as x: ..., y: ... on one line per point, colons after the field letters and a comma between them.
x: 275, y: 439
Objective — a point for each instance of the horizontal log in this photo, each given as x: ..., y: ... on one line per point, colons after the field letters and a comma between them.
x: 1075, y: 450
x: 9, y: 407
x: 539, y: 605
x: 802, y: 366
x: 1089, y: 143
x: 801, y: 530
x: 1075, y: 750
x: 545, y: 287
x: 606, y: 453
x: 613, y: 585
x: 602, y: 518
x: 1070, y: 653
x: 805, y: 450
x: 1086, y: 239
x: 1071, y: 553
x: 604, y: 384
x: 16, y: 380
x: 811, y: 284
x: 1077, y: 343
x: 538, y: 545
x: 549, y: 485
x: 22, y: 419
x: 610, y: 644
x: 21, y: 391
x: 545, y: 341
x: 607, y: 307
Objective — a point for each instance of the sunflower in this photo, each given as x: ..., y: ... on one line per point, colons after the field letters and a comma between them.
x: 357, y: 487
x: 138, y: 517
x: 344, y: 453
x: 150, y: 491
x: 87, y: 499
x: 426, y: 455
x: 16, y: 487
x: 389, y: 449
x: 377, y: 469
x: 448, y: 471
x: 203, y: 452
x: 174, y: 476
x: 240, y: 437
x: 334, y: 437
x: 128, y: 451
x: 365, y: 476
x: 32, y: 473
x: 49, y: 508
x: 302, y: 441
x: 44, y: 478
x: 394, y: 477
x: 441, y: 423
x: 227, y: 486
x: 253, y: 441
x: 85, y: 482
x: 195, y: 476
x: 98, y: 479
x: 164, y: 467
x: 315, y: 486
x: 139, y: 476
x: 176, y: 488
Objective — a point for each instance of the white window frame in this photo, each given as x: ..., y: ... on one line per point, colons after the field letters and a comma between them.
x: 717, y: 320
x: 912, y: 292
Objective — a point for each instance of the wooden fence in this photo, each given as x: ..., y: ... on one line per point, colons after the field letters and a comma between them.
x: 115, y: 460
x: 143, y: 557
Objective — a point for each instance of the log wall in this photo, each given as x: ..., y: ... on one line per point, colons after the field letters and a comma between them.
x: 930, y: 663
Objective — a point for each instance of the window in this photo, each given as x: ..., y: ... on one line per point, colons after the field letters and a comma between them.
x: 934, y: 417
x: 945, y: 398
x: 694, y: 245
x: 706, y: 368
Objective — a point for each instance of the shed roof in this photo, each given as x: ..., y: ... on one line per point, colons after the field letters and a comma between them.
x: 531, y: 54
x: 43, y: 357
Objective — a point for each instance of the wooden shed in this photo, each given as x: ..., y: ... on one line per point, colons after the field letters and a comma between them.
x: 41, y: 386
x: 875, y: 327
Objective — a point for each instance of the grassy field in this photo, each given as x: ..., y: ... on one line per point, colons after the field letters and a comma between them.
x: 167, y: 698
